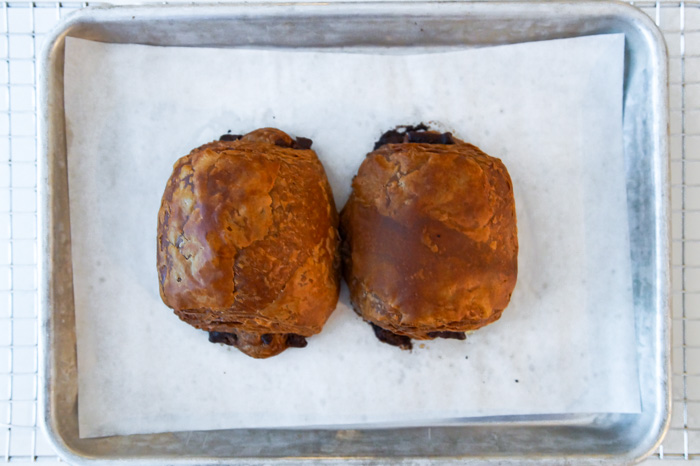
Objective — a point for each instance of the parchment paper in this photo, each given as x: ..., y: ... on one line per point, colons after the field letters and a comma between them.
x: 550, y: 110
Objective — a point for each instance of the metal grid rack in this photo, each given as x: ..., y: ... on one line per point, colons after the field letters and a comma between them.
x: 22, y: 29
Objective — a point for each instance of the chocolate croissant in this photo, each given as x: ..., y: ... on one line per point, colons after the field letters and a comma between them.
x: 248, y: 242
x: 429, y: 234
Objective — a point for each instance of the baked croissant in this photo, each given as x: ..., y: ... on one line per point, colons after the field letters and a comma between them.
x: 429, y: 234
x: 248, y: 242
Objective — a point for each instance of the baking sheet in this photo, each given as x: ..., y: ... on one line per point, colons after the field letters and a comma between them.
x: 550, y: 110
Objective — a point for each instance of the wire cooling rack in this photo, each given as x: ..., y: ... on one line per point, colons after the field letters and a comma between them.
x: 22, y: 29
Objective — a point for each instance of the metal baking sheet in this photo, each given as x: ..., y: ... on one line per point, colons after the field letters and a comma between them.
x: 613, y: 438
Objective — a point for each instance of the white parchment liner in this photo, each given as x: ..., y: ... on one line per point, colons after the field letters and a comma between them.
x: 552, y: 111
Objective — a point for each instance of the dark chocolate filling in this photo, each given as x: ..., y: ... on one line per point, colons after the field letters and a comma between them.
x: 231, y: 339
x: 417, y: 134
x: 428, y: 137
x: 404, y: 342
x: 449, y: 335
x: 299, y: 143
x: 302, y: 143
x: 390, y: 338
x: 296, y: 341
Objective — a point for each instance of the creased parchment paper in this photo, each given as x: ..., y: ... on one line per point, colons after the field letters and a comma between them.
x: 552, y: 112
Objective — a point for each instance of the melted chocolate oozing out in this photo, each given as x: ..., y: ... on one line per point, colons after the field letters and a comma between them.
x: 296, y: 341
x: 390, y: 338
x: 404, y: 342
x: 449, y: 335
x: 396, y: 136
x: 417, y: 134
x: 302, y: 143
x: 230, y: 339
x: 430, y: 138
x: 299, y: 143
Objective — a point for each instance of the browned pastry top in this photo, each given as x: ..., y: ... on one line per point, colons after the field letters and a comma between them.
x: 430, y: 238
x: 247, y: 240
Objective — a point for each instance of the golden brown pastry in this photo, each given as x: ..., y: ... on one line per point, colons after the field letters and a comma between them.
x: 429, y: 237
x: 248, y: 242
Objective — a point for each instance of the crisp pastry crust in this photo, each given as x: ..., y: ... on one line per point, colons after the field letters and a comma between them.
x: 248, y: 242
x: 429, y: 238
